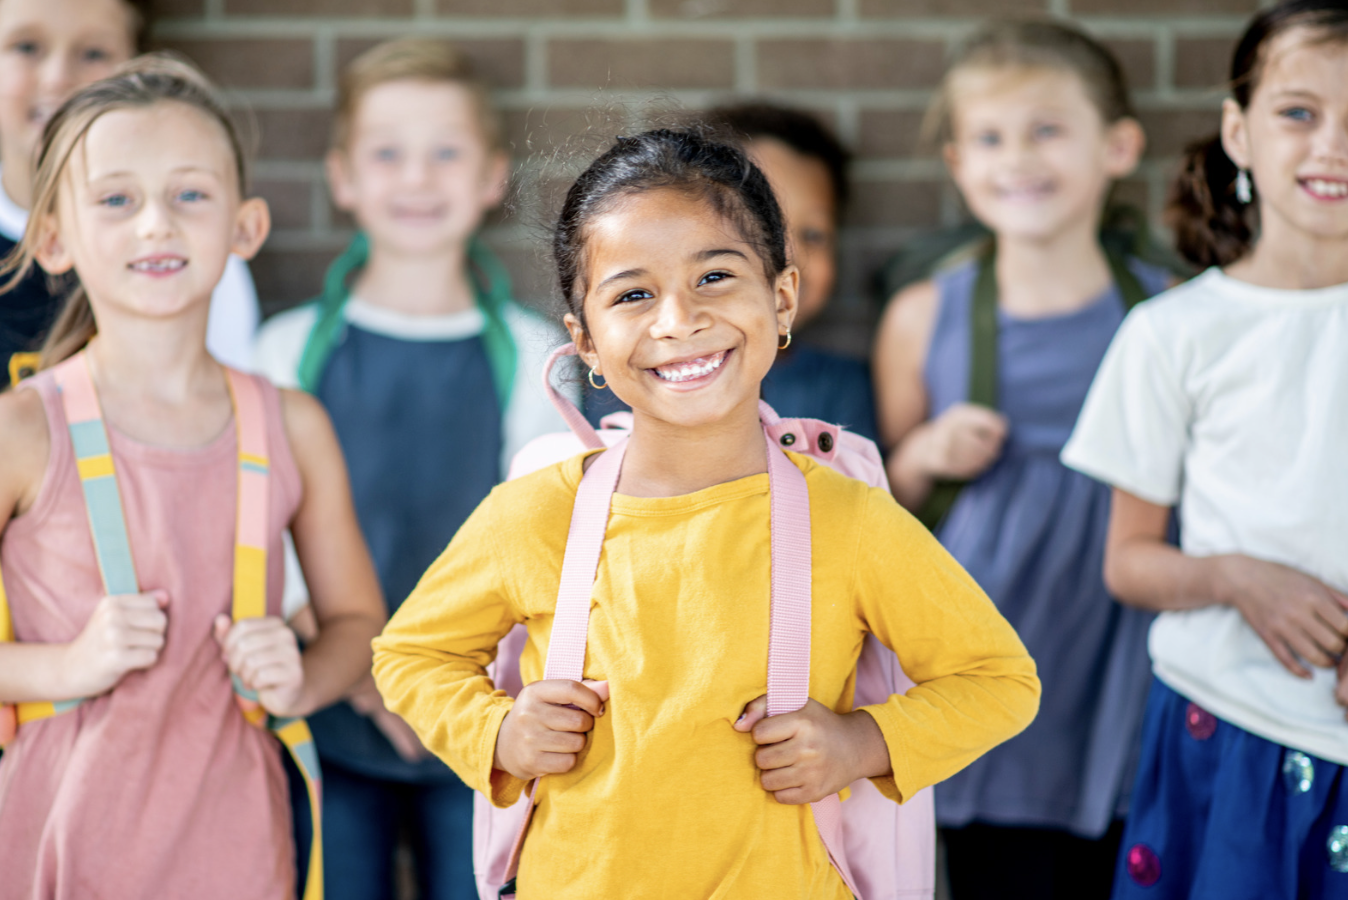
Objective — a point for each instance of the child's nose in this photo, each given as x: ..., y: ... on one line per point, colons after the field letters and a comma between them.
x: 57, y: 75
x: 154, y: 220
x: 678, y: 316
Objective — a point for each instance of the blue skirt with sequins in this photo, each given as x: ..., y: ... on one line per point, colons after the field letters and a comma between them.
x: 1220, y: 814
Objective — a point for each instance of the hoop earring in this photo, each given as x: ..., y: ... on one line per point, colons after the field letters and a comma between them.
x: 787, y: 343
x: 1244, y: 189
x: 597, y: 387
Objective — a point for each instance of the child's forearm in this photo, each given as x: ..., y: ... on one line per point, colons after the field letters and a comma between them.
x: 337, y: 660
x: 1151, y: 575
x: 31, y: 672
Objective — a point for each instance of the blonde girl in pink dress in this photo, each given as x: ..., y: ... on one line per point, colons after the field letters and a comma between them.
x: 156, y: 785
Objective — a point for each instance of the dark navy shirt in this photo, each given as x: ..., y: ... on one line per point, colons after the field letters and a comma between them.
x: 26, y: 313
x: 804, y: 383
x: 420, y: 425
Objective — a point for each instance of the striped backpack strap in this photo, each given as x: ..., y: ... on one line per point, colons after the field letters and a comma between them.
x: 250, y: 598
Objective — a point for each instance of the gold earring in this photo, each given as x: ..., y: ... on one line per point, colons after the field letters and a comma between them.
x: 597, y: 387
x: 787, y: 343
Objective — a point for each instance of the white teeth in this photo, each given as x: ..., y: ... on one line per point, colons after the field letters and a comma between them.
x: 1322, y: 188
x: 159, y: 265
x: 689, y: 370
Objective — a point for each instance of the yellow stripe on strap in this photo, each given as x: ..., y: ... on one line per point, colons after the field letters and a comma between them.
x: 95, y: 467
x: 32, y: 712
x: 250, y: 582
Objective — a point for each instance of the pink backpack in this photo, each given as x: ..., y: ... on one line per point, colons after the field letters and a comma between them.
x: 883, y: 851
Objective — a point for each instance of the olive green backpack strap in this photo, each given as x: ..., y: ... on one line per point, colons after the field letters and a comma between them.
x: 983, y: 359
x: 982, y: 375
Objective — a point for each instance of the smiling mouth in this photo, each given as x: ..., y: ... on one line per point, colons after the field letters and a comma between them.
x: 1036, y: 191
x: 690, y: 369
x: 1325, y: 189
x: 159, y: 266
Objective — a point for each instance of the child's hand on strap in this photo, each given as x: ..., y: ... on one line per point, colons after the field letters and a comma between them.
x: 545, y: 729
x: 963, y: 441
x: 1298, y: 617
x: 125, y: 633
x: 806, y: 755
x: 265, y: 654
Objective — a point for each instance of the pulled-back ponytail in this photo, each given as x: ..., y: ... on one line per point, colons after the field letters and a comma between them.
x: 1212, y: 226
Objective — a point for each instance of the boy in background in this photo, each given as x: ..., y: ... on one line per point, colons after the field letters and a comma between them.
x: 430, y: 372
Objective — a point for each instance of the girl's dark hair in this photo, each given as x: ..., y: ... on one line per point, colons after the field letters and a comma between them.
x: 1212, y: 227
x: 667, y: 159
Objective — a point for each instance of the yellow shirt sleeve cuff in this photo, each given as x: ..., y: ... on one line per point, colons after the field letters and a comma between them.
x: 502, y: 788
x: 898, y: 785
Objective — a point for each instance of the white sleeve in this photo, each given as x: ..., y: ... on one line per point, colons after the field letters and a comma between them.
x: 1133, y: 431
x: 234, y: 316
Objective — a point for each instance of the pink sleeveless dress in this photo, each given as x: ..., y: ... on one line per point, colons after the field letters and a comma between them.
x: 159, y: 788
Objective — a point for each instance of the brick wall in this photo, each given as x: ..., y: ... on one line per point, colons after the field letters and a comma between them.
x: 570, y: 74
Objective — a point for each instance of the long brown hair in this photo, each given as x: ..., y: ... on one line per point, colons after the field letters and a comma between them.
x: 1212, y: 227
x: 142, y: 82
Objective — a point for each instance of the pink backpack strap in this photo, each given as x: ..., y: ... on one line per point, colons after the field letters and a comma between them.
x: 575, y: 420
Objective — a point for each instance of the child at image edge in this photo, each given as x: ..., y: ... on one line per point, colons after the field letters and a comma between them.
x: 155, y: 785
x: 666, y: 779
x: 432, y: 375
x: 48, y: 48
x: 1228, y: 397
x: 1037, y: 126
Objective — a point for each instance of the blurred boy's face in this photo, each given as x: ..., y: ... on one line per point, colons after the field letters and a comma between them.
x: 48, y: 48
x: 805, y: 192
x: 417, y: 173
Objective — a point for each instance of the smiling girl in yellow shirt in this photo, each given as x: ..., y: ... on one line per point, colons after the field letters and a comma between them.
x: 671, y: 255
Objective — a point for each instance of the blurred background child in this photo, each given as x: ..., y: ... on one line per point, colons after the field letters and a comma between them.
x: 48, y: 48
x: 1227, y: 398
x: 1037, y: 125
x: 154, y: 784
x: 807, y: 167
x: 431, y: 374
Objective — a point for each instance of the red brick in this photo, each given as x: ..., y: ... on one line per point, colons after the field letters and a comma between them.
x: 250, y: 63
x: 841, y: 64
x: 940, y: 8
x: 326, y: 9
x: 642, y: 62
x: 499, y: 62
x: 289, y: 202
x: 1169, y: 130
x: 531, y: 8
x: 775, y: 9
x: 293, y: 133
x: 901, y: 204
x: 1138, y: 59
x: 1164, y: 7
x: 1203, y: 62
x: 285, y: 278
x: 889, y: 133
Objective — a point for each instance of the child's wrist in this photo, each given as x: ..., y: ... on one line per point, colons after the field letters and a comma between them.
x: 873, y: 760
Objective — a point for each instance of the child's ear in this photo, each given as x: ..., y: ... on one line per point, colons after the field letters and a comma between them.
x: 581, y: 338
x: 1235, y: 137
x: 252, y: 224
x: 335, y: 166
x: 788, y: 296
x: 50, y: 252
x: 1124, y: 143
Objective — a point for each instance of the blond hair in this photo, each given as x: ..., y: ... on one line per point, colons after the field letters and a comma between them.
x: 1034, y: 44
x: 411, y: 59
x: 143, y: 82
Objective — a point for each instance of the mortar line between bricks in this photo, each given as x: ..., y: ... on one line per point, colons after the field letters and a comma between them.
x: 214, y: 9
x: 847, y: 11
x: 423, y: 9
x: 636, y: 11
x: 325, y: 60
x: 536, y: 60
x: 1165, y: 63
x: 746, y: 65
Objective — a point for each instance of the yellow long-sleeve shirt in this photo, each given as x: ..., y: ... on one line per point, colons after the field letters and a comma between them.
x: 665, y: 801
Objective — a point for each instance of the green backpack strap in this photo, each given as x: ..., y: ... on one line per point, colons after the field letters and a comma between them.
x: 983, y: 332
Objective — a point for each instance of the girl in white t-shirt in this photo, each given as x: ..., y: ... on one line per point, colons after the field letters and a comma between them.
x: 1227, y: 397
